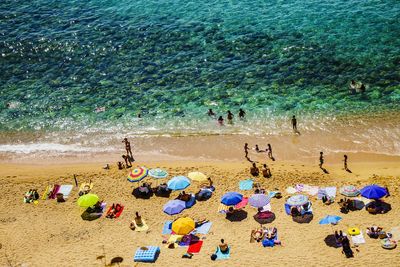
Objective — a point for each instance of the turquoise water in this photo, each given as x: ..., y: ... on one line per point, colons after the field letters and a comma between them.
x: 171, y: 60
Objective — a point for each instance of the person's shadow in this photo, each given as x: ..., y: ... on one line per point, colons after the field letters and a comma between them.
x: 324, y: 170
x: 348, y: 170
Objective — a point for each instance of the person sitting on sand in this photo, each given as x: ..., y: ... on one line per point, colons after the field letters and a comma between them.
x: 138, y: 219
x: 374, y: 231
x: 145, y: 188
x: 223, y: 247
x: 258, y: 234
x: 294, y: 211
x: 346, y: 247
x: 254, y: 170
x: 184, y: 197
x: 120, y: 165
x: 266, y: 171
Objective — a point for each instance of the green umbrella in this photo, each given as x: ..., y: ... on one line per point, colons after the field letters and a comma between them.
x: 87, y: 200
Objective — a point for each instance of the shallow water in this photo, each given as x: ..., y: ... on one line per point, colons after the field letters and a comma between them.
x: 172, y: 60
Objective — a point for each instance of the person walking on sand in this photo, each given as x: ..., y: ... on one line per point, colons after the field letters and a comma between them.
x: 128, y: 148
x: 241, y: 114
x: 269, y: 151
x: 294, y: 123
x: 230, y: 117
x: 246, y: 150
x: 321, y: 159
x: 345, y: 162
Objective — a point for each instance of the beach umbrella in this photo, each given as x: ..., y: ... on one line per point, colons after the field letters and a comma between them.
x: 231, y: 198
x: 137, y: 174
x: 349, y: 191
x: 373, y: 191
x: 197, y: 176
x: 178, y: 183
x: 297, y: 200
x: 87, y: 200
x: 158, y: 173
x: 259, y: 200
x: 183, y: 226
x: 173, y: 207
x: 330, y: 219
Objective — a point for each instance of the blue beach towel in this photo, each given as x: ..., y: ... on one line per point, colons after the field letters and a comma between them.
x: 246, y: 184
x: 223, y: 256
x: 287, y: 209
x: 148, y: 255
x: 204, y: 229
x: 167, y: 228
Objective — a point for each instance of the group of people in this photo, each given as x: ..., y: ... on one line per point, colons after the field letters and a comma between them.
x: 356, y: 87
x: 343, y: 241
x: 128, y: 157
x: 266, y: 171
x: 264, y: 233
x: 229, y: 116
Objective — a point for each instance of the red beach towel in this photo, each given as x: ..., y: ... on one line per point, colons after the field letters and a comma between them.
x: 243, y: 203
x: 195, y: 247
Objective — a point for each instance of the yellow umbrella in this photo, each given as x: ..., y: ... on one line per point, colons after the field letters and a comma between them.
x: 197, y: 176
x: 183, y: 226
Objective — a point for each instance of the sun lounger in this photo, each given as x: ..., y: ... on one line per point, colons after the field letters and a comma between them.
x: 147, y: 254
x: 195, y: 247
x: 144, y: 227
x: 223, y: 256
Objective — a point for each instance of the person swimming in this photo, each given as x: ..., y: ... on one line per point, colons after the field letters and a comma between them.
x: 221, y: 121
x: 241, y: 114
x: 210, y: 113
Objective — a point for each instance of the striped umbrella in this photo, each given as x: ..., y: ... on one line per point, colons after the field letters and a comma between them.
x: 158, y: 173
x: 259, y: 200
x: 137, y: 174
x: 349, y: 191
x: 297, y: 200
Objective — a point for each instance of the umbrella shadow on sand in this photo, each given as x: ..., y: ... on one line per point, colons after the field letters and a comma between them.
x: 237, y: 216
x: 330, y: 241
x: 306, y: 218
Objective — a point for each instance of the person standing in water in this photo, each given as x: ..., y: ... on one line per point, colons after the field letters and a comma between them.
x: 241, y: 114
x: 246, y: 150
x: 128, y: 148
x: 221, y: 121
x: 210, y: 113
x: 321, y: 159
x: 230, y: 117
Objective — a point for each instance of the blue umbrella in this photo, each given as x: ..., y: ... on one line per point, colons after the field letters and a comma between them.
x: 178, y: 183
x: 158, y: 173
x: 174, y: 207
x: 373, y: 191
x: 231, y: 198
x: 297, y: 200
x: 259, y: 200
x: 333, y: 219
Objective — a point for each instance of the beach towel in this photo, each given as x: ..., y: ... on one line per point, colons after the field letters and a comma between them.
x: 242, y: 203
x: 222, y: 208
x: 146, y: 254
x: 311, y: 190
x: 223, y: 256
x: 287, y: 209
x: 54, y: 191
x: 266, y: 208
x: 358, y: 239
x: 327, y: 191
x: 142, y: 228
x: 203, y: 229
x: 85, y: 188
x: 46, y: 192
x: 246, y: 184
x: 65, y: 189
x: 117, y: 214
x: 195, y: 247
x: 291, y: 190
x: 272, y: 194
x: 191, y: 202
x: 395, y: 231
x: 175, y: 238
x: 167, y: 228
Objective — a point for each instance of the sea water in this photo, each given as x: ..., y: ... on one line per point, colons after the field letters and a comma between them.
x: 70, y: 70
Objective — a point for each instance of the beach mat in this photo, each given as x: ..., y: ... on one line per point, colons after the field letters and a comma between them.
x: 195, y: 247
x: 142, y: 228
x: 358, y: 239
x: 246, y: 184
x: 242, y: 203
x: 167, y: 228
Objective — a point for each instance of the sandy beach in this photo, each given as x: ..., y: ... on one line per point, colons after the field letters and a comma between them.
x: 53, y: 234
